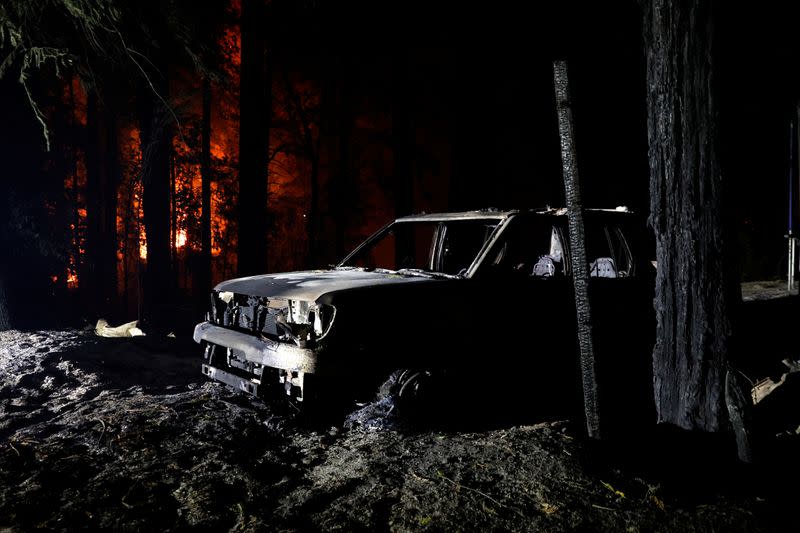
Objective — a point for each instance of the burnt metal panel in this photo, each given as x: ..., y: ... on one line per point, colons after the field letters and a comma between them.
x: 262, y: 350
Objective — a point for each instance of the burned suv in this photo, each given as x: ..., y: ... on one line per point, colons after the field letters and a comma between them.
x: 480, y: 298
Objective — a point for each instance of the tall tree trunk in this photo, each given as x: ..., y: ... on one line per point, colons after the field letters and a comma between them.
x: 94, y: 179
x: 155, y: 122
x: 204, y: 273
x: 402, y: 137
x: 312, y: 224
x: 113, y: 174
x: 341, y: 175
x: 73, y: 148
x: 5, y: 320
x: 694, y: 284
x: 255, y: 117
x: 102, y: 170
x: 312, y: 152
x: 577, y: 240
x: 173, y: 219
x: 402, y: 145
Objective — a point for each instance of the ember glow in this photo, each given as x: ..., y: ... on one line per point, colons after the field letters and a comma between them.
x: 180, y: 239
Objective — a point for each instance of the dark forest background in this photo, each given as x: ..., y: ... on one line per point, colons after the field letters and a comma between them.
x: 333, y: 118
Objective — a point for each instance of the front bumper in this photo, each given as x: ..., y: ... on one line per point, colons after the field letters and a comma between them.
x: 292, y: 362
x: 261, y: 350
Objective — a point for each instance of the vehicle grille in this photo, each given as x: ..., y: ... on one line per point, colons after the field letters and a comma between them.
x: 250, y: 313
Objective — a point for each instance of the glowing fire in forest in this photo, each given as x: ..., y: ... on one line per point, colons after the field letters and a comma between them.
x: 142, y: 244
x: 186, y: 184
x: 180, y: 238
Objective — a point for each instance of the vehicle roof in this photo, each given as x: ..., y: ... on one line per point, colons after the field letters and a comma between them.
x: 499, y: 214
x: 460, y: 215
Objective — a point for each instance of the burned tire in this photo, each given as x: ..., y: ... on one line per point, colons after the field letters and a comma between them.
x: 413, y: 391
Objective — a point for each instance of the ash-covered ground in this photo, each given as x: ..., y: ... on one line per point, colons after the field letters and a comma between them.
x: 126, y: 434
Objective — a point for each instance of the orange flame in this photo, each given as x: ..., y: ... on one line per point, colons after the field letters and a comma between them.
x: 180, y: 238
x: 143, y: 244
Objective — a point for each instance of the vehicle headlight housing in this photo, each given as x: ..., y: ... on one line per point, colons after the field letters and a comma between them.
x: 309, y: 321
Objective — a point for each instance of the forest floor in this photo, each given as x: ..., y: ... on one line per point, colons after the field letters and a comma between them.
x: 126, y: 434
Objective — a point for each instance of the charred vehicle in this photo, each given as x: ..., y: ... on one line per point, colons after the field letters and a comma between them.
x: 481, y: 298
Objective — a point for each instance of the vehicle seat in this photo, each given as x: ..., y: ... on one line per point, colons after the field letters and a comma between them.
x: 544, y: 267
x: 603, y: 267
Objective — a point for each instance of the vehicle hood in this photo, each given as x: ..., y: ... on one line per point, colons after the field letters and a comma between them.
x: 311, y: 285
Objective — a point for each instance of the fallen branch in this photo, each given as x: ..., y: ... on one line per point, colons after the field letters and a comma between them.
x: 603, y: 508
x: 476, y: 491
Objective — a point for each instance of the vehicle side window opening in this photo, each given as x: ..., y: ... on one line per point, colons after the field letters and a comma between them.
x: 608, y: 252
x: 460, y: 243
x: 556, y: 246
x: 530, y: 248
x: 449, y: 247
x: 400, y: 246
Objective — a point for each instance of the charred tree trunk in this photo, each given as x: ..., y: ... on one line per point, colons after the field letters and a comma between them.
x: 204, y: 274
x: 73, y: 168
x: 173, y: 219
x: 577, y: 240
x: 313, y: 211
x: 255, y: 117
x: 402, y: 146
x: 89, y: 276
x: 5, y: 315
x: 341, y: 175
x: 694, y: 284
x: 311, y: 148
x: 327, y: 143
x: 113, y: 170
x: 102, y: 169
x: 5, y: 321
x: 155, y: 122
x: 402, y: 138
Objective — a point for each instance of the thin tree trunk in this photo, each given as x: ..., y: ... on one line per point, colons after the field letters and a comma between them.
x: 402, y: 138
x: 255, y: 116
x: 341, y: 177
x: 402, y: 146
x: 76, y: 219
x: 173, y: 219
x: 694, y: 285
x: 94, y: 178
x: 5, y: 320
x: 312, y: 224
x: 204, y: 273
x: 311, y: 149
x: 102, y: 168
x: 113, y: 177
x: 580, y: 267
x: 155, y: 131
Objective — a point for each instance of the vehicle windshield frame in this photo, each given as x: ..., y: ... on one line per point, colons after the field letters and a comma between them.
x: 500, y: 220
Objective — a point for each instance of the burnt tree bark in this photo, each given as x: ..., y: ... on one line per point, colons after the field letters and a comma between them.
x: 102, y: 169
x: 204, y: 274
x: 88, y: 275
x: 255, y: 117
x: 155, y: 123
x: 403, y: 145
x: 340, y: 180
x: 694, y: 283
x: 402, y: 136
x: 5, y: 321
x: 577, y: 240
x: 311, y: 149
